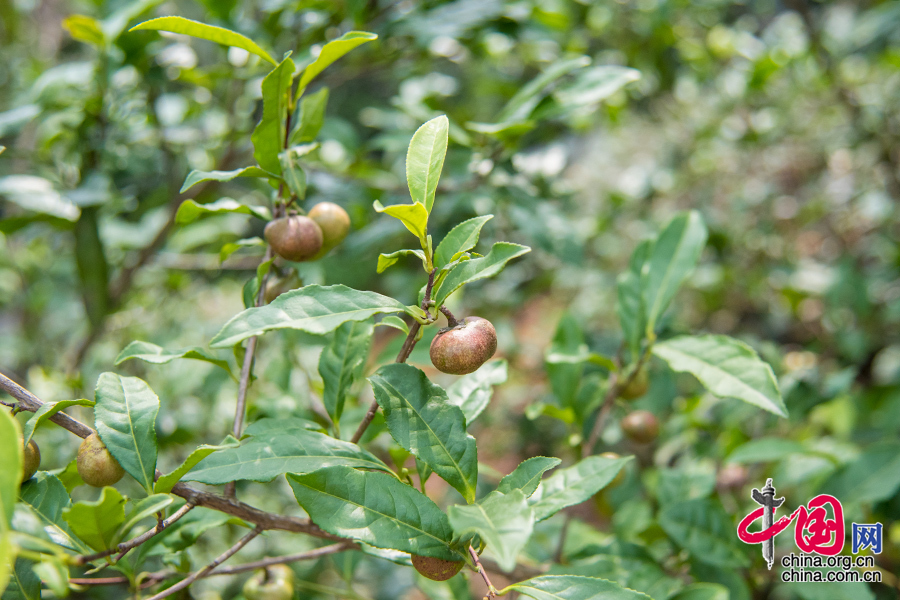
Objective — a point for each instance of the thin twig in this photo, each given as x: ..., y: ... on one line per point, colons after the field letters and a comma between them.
x: 32, y: 403
x: 124, y: 547
x: 561, y: 544
x: 492, y: 591
x: 280, y: 560
x: 451, y: 320
x: 202, y: 572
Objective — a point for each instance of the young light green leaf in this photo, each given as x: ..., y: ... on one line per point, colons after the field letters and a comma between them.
x: 143, y: 508
x: 332, y: 51
x: 472, y: 392
x: 422, y: 420
x: 595, y: 85
x: 727, y: 367
x: 413, y: 216
x: 190, y: 211
x: 630, y: 305
x: 520, y: 106
x: 479, y: 268
x: 573, y: 587
x: 165, y: 483
x: 461, y: 238
x: 293, y: 173
x: 575, y: 484
x: 269, y: 135
x: 376, y: 509
x: 203, y: 31
x: 85, y: 29
x: 703, y: 528
x: 231, y: 247
x: 565, y: 376
x: 527, y: 475
x: 395, y: 322
x: 425, y: 160
x: 7, y: 558
x: 341, y: 364
x: 12, y: 455
x: 47, y: 410
x: 266, y: 456
x: 156, y: 355
x: 503, y: 521
x: 125, y: 416
x: 311, y: 116
x: 672, y: 258
x: 96, y: 523
x: 38, y: 195
x: 46, y: 496
x: 387, y: 260
x: 195, y: 177
x: 314, y: 309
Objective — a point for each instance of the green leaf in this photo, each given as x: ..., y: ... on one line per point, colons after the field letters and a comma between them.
x: 767, y: 449
x: 263, y: 457
x: 395, y: 322
x: 503, y: 521
x: 190, y: 211
x: 872, y: 477
x: 422, y: 420
x: 527, y: 475
x: 702, y: 527
x: 472, y: 392
x: 195, y: 177
x: 293, y: 173
x: 461, y: 238
x: 595, y: 85
x: 270, y: 425
x: 575, y: 484
x: 413, y: 216
x: 96, y: 523
x: 203, y: 31
x: 231, y: 247
x: 376, y: 509
x: 630, y: 305
x: 93, y: 268
x: 268, y: 137
x: 165, y: 483
x: 703, y: 591
x: 565, y: 377
x: 425, y: 160
x: 125, y: 417
x: 387, y: 260
x: 311, y: 117
x: 727, y: 367
x: 479, y: 268
x: 47, y: 410
x: 573, y: 587
x: 341, y: 364
x: 12, y: 456
x: 156, y: 355
x: 142, y: 509
x: 47, y: 497
x: 313, y: 308
x: 332, y: 51
x: 24, y: 584
x: 672, y: 258
x: 520, y: 106
x: 38, y: 195
x: 687, y: 482
x: 85, y: 29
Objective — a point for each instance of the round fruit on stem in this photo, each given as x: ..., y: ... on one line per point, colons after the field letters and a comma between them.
x: 462, y: 349
x: 32, y: 460
x: 295, y: 238
x: 640, y: 426
x: 96, y: 465
x: 436, y: 569
x: 272, y: 583
x: 637, y: 387
x: 335, y: 224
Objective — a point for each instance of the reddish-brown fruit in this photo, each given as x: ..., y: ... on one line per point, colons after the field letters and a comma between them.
x: 641, y: 426
x: 462, y: 349
x: 732, y: 476
x: 96, y: 465
x: 32, y: 461
x: 335, y: 224
x: 637, y: 387
x: 436, y: 569
x: 275, y: 286
x: 295, y: 238
x: 620, y: 476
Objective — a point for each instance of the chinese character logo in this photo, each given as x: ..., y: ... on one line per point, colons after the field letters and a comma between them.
x: 867, y: 536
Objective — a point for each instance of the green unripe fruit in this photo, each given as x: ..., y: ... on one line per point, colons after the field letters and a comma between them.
x: 334, y: 222
x: 462, y: 349
x: 96, y: 465
x: 637, y: 387
x: 32, y: 461
x: 620, y: 476
x: 641, y: 426
x: 272, y: 583
x: 295, y: 238
x: 436, y: 569
x: 275, y: 286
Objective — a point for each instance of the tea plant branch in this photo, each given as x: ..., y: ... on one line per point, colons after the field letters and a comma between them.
x: 451, y: 320
x: 280, y: 560
x: 492, y: 591
x: 408, y: 344
x: 203, y: 572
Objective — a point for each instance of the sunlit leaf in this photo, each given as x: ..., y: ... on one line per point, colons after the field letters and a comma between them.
x: 47, y: 410
x: 190, y: 211
x: 96, y: 523
x: 387, y: 260
x: 461, y: 238
x: 165, y: 483
x: 46, y: 497
x: 479, y: 268
x: 413, y: 216
x: 332, y: 51
x: 425, y: 160
x: 503, y: 521
x: 704, y: 529
x: 12, y: 455
x: 203, y: 31
x: 195, y: 177
x: 527, y: 476
x: 575, y: 484
x: 269, y: 136
x: 574, y: 587
x: 341, y: 364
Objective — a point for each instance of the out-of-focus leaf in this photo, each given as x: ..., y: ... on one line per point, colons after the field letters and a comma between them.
x: 263, y: 457
x: 395, y: 322
x: 96, y: 523
x: 727, y: 367
x: 573, y: 587
x: 479, y: 268
x: 526, y: 99
x: 12, y: 454
x: 14, y: 119
x: 425, y: 160
x: 332, y: 51
x: 24, y: 584
x: 93, y: 269
x: 595, y: 84
x: 293, y: 173
x: 630, y: 306
x: 341, y: 364
x: 703, y: 591
x: 195, y: 177
x: 872, y: 477
x: 422, y: 420
x: 461, y: 238
x: 85, y: 29
x: 566, y: 377
x: 190, y: 211
x: 527, y: 476
x: 142, y: 509
x: 47, y: 410
x: 271, y: 425
x: 703, y: 528
x: 376, y: 509
x: 413, y: 216
x: 685, y: 483
x: 125, y: 416
x: 269, y: 136
x: 768, y: 449
x: 473, y: 392
x: 46, y: 496
x: 503, y: 521
x: 575, y: 484
x: 196, y: 29
x: 154, y: 354
x: 313, y: 308
x: 165, y: 483
x: 55, y: 575
x: 230, y: 248
x: 311, y: 117
x: 387, y: 260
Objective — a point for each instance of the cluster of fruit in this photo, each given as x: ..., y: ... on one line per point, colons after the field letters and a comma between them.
x: 96, y: 465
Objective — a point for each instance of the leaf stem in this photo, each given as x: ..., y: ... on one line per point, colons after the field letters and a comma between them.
x: 492, y: 591
x: 451, y: 320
